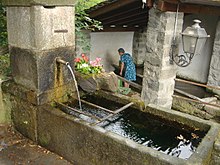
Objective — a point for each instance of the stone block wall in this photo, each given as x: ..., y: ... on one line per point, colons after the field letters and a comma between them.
x: 39, y: 31
x: 39, y: 28
x: 159, y: 74
x: 214, y: 71
x: 139, y: 46
x: 216, y: 152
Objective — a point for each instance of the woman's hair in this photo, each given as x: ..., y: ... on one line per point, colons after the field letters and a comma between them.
x: 121, y: 50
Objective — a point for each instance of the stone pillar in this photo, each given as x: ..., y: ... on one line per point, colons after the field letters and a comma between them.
x: 214, y: 70
x: 159, y: 74
x: 38, y: 32
x: 139, y: 46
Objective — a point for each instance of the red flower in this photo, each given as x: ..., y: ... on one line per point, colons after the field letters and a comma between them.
x: 85, y: 58
x: 77, y: 59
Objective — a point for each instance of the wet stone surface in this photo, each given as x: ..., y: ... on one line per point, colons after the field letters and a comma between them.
x: 16, y: 149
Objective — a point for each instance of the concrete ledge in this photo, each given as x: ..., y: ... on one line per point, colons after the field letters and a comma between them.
x: 39, y: 2
x: 59, y: 93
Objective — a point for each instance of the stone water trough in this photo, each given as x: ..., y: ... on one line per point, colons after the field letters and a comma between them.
x: 29, y: 95
x: 81, y: 142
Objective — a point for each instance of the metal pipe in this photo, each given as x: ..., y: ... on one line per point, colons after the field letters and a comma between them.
x: 61, y: 61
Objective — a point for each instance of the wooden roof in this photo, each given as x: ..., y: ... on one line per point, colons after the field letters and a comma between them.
x: 130, y: 15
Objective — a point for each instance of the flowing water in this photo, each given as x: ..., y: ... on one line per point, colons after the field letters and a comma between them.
x: 152, y: 131
x: 76, y: 85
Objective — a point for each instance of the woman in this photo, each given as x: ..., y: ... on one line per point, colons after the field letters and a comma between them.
x: 127, y: 64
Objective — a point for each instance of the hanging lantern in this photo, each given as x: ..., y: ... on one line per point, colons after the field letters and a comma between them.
x: 193, y: 39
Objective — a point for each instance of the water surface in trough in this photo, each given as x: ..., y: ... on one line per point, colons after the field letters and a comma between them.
x: 145, y: 129
x: 162, y: 135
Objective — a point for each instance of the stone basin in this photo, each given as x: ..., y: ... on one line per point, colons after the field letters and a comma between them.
x: 83, y: 143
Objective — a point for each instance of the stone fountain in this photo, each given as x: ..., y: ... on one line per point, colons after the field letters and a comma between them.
x: 39, y: 31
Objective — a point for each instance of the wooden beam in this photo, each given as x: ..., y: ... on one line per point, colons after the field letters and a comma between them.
x: 118, y: 29
x: 189, y: 8
x: 115, y: 112
x: 64, y: 107
x: 198, y: 84
x: 150, y: 3
x: 196, y: 101
x: 129, y: 16
x: 97, y: 106
x: 202, y: 2
x: 172, y: 1
x: 141, y: 23
x: 187, y: 94
x: 135, y: 85
x: 110, y: 7
x: 119, y: 14
x: 133, y: 20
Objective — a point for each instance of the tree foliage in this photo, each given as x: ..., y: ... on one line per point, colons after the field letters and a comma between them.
x: 82, y: 19
x: 3, y: 27
x: 83, y: 22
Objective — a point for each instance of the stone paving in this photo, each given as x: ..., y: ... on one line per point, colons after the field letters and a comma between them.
x: 15, y: 149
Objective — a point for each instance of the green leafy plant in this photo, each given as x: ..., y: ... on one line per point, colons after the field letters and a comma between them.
x: 82, y: 19
x: 84, y: 66
x: 5, y: 69
x: 3, y: 27
x: 84, y: 22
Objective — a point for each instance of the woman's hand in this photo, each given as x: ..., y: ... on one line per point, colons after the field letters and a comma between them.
x: 121, y: 69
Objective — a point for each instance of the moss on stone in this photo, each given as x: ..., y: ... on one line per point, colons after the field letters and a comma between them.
x: 44, y: 139
x: 190, y: 108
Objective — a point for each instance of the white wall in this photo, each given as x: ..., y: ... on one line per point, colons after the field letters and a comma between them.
x: 106, y: 44
x: 198, y: 70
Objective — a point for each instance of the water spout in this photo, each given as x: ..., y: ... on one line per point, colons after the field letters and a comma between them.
x: 61, y: 61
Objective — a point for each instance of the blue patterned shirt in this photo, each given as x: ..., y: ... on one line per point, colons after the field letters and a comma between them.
x: 130, y: 71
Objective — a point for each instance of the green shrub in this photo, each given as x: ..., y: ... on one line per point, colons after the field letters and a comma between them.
x: 3, y: 27
x: 5, y: 69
